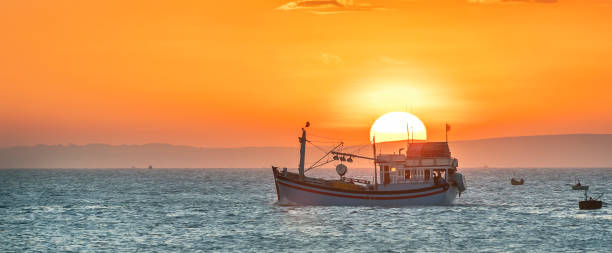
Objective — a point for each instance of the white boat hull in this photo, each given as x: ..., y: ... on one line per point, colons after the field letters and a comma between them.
x: 295, y: 193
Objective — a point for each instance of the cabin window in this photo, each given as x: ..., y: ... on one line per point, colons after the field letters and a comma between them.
x: 407, y: 174
x: 426, y: 176
x: 440, y: 173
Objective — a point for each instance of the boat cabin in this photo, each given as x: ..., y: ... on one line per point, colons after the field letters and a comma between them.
x: 423, y: 163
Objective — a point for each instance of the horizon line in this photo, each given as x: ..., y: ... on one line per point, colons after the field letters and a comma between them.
x: 242, y: 147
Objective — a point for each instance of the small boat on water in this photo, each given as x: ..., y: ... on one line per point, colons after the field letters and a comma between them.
x: 579, y: 186
x: 589, y: 203
x: 515, y: 181
x: 425, y: 175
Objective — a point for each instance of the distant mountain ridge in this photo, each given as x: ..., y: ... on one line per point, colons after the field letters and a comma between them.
x: 555, y: 151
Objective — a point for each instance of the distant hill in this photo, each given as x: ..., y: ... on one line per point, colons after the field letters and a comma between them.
x: 141, y: 156
x: 560, y: 151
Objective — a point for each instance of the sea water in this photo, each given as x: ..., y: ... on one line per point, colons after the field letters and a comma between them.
x: 220, y: 210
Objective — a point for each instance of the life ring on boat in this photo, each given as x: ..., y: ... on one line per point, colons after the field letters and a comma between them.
x: 341, y: 169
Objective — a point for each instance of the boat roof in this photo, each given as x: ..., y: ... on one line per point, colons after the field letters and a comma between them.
x: 428, y: 149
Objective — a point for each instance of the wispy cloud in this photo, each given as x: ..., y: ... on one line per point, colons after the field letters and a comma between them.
x: 328, y: 6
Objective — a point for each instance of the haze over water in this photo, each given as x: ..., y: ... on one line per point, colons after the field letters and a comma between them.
x: 130, y: 210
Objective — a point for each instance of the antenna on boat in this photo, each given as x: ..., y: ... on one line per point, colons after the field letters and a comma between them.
x: 374, y: 152
x: 448, y: 128
x: 412, y: 133
x: 408, y: 135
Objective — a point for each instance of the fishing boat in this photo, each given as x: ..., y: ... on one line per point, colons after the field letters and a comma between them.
x: 590, y: 203
x: 579, y: 186
x: 516, y: 181
x: 425, y: 175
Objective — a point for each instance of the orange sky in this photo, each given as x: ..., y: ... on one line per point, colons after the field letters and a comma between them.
x: 250, y: 73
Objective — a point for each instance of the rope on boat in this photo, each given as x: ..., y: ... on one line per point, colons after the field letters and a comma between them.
x: 336, y: 139
x: 339, y: 147
x: 323, y: 141
x: 327, y: 153
x: 322, y: 150
x: 329, y: 138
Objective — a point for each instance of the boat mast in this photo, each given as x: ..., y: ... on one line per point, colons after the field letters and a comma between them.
x: 411, y: 134
x: 408, y: 138
x: 302, y: 151
x: 374, y: 153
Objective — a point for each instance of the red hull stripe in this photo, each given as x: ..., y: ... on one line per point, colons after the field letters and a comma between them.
x: 276, y: 176
x: 361, y: 197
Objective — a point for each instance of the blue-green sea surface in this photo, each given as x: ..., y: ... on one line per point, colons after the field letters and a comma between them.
x: 221, y: 210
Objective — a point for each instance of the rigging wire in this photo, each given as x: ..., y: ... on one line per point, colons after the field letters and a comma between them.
x: 324, y: 141
x: 318, y: 163
x: 330, y: 138
x: 355, y: 149
x: 319, y: 148
x: 324, y: 137
x: 311, y: 165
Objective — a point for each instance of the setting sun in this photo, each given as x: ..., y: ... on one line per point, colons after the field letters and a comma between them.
x: 397, y: 126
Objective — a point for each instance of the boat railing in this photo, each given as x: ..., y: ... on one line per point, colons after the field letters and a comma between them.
x: 396, y: 179
x: 413, y: 182
x: 355, y: 180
